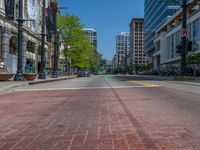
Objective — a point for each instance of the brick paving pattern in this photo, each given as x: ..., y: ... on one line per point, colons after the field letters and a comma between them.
x: 119, y: 119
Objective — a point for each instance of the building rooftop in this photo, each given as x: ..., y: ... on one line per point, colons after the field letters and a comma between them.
x: 89, y: 29
x: 124, y: 33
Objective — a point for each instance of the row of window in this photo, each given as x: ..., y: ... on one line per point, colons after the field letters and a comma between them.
x: 194, y: 36
x: 140, y: 55
x: 140, y: 58
x: 155, y: 14
x: 140, y: 51
x: 139, y: 41
x: 140, y: 62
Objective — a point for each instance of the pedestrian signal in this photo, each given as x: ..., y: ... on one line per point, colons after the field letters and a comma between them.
x: 189, y: 46
x: 179, y: 49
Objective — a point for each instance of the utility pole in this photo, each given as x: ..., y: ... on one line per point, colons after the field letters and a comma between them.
x: 184, y: 39
x: 42, y: 66
x: 19, y: 75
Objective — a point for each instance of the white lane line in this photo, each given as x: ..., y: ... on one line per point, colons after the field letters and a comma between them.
x: 85, y: 88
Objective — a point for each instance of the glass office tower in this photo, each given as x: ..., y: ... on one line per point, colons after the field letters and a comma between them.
x: 156, y: 12
x: 122, y: 49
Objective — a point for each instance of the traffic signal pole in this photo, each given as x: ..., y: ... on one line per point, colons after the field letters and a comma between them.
x: 184, y: 39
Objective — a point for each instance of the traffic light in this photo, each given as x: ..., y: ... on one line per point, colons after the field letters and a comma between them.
x: 189, y: 46
x: 179, y: 49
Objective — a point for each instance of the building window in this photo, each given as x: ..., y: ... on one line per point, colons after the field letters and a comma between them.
x: 13, y: 45
x: 196, y: 36
x: 31, y: 46
x: 172, y: 46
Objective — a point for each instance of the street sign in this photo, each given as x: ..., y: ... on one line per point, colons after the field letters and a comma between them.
x: 184, y: 32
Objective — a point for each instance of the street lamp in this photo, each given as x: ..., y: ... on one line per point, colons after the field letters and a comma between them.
x: 54, y: 73
x: 42, y: 66
x: 19, y: 75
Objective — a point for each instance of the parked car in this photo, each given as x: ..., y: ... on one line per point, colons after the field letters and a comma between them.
x: 87, y: 73
x: 84, y: 73
x: 80, y: 74
x: 198, y: 72
x: 97, y: 73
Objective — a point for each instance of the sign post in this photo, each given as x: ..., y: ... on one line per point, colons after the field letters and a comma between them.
x: 184, y: 32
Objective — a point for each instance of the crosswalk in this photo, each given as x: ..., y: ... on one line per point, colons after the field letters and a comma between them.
x: 145, y: 84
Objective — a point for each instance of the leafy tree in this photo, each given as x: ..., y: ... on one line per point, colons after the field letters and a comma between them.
x: 140, y: 67
x: 97, y: 62
x: 194, y: 59
x: 76, y: 45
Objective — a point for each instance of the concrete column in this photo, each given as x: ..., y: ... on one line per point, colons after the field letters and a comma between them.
x: 36, y: 58
x: 24, y: 49
x: 0, y: 43
x: 5, y: 44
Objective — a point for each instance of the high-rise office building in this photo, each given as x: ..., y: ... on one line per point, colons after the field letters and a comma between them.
x: 155, y: 14
x: 137, y: 55
x: 122, y: 48
x: 92, y: 35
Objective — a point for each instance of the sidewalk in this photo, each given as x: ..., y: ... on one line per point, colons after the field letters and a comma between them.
x: 5, y: 85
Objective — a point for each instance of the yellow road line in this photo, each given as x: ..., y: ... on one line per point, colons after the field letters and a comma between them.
x: 144, y: 83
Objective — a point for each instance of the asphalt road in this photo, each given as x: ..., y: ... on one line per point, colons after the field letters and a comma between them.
x: 101, y: 113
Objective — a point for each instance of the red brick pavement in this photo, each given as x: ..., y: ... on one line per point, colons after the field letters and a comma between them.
x: 131, y: 119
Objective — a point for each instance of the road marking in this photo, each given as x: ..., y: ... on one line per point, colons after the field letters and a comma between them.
x: 145, y: 84
x: 85, y: 88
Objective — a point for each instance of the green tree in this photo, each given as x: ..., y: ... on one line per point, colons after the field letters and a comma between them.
x: 194, y: 59
x: 140, y: 67
x: 97, y: 62
x: 76, y: 45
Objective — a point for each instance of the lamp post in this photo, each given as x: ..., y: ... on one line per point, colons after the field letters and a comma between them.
x: 19, y: 75
x: 54, y: 73
x: 42, y: 66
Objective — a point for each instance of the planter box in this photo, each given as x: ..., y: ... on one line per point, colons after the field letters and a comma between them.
x: 29, y: 76
x: 5, y: 76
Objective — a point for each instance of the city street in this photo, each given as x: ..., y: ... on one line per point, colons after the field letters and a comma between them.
x: 101, y: 113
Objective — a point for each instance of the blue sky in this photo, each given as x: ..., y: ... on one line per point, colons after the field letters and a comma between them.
x: 107, y: 17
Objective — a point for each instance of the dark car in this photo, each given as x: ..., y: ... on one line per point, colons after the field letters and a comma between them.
x: 81, y: 74
x: 84, y: 73
x: 87, y: 73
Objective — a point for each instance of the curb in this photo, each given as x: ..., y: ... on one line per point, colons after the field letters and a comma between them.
x: 183, y: 78
x: 12, y: 86
x: 193, y: 84
x: 50, y: 80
